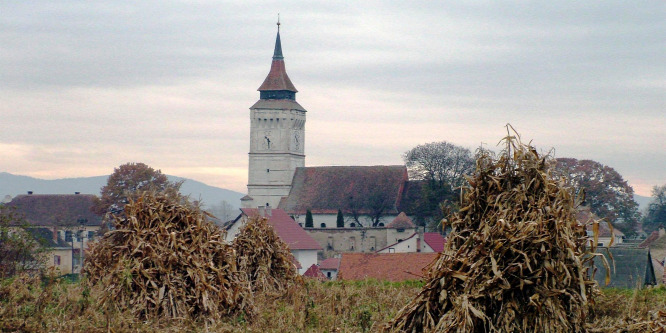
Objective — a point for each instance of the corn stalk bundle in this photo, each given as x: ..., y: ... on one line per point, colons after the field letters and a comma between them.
x: 165, y: 259
x: 515, y: 260
x: 264, y: 258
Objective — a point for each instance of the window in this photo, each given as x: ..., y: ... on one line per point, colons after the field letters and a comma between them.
x: 328, y: 274
x: 323, y: 225
x: 391, y: 250
x: 68, y: 236
x: 91, y: 235
x: 56, y: 260
x: 79, y: 236
x: 401, y: 230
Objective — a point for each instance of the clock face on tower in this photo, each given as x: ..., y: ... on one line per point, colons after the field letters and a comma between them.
x: 267, y: 142
x: 297, y: 141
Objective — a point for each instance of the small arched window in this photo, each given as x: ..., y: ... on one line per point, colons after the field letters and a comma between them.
x: 323, y: 225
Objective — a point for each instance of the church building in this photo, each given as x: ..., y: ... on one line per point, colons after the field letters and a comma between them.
x: 369, y: 197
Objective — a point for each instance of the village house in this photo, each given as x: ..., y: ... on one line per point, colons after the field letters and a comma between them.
x: 315, y: 273
x: 65, y: 221
x: 585, y: 216
x: 301, y: 245
x: 329, y: 267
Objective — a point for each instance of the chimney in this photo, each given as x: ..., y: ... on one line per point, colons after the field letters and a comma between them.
x: 418, y: 242
x: 29, y: 192
x: 262, y: 211
x: 269, y: 212
x: 55, y: 235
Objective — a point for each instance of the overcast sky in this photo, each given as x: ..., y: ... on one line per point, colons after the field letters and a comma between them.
x: 88, y: 85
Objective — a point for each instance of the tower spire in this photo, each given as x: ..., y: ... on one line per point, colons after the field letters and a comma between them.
x: 277, y: 54
x: 277, y: 84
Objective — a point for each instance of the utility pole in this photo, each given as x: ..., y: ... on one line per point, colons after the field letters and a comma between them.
x: 82, y: 222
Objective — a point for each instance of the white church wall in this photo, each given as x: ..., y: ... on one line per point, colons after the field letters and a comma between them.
x: 330, y: 220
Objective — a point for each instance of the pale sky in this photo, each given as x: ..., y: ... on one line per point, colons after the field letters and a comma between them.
x: 88, y: 85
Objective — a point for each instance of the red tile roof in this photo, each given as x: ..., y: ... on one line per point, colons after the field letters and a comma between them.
x: 435, y: 240
x: 402, y: 221
x: 56, y: 209
x: 277, y: 78
x: 389, y: 266
x: 650, y: 239
x: 288, y: 230
x: 314, y: 272
x: 330, y: 263
x: 324, y: 190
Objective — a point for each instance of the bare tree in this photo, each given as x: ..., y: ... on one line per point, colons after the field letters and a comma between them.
x: 440, y: 163
x: 437, y: 168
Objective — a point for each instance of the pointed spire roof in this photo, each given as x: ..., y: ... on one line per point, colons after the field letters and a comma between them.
x: 277, y: 78
x: 277, y: 54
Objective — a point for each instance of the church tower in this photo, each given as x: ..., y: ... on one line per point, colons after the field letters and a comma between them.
x: 277, y: 136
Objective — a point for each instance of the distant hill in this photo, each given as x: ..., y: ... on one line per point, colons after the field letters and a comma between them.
x: 642, y: 201
x: 14, y: 185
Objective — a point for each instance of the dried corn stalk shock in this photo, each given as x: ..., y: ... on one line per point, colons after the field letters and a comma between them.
x: 516, y: 258
x: 165, y: 259
x: 265, y: 258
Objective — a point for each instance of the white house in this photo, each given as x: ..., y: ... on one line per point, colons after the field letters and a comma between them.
x: 302, y: 246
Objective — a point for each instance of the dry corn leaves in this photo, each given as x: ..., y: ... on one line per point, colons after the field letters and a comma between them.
x: 264, y: 258
x: 165, y: 259
x: 515, y: 260
x: 655, y: 323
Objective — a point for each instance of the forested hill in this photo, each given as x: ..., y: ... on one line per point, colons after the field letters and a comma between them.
x: 13, y: 185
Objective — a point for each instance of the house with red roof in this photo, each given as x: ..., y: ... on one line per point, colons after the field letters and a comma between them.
x: 302, y: 246
x: 329, y: 267
x: 314, y: 273
x: 393, y: 267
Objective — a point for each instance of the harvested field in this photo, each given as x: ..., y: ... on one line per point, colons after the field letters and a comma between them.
x: 30, y: 305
